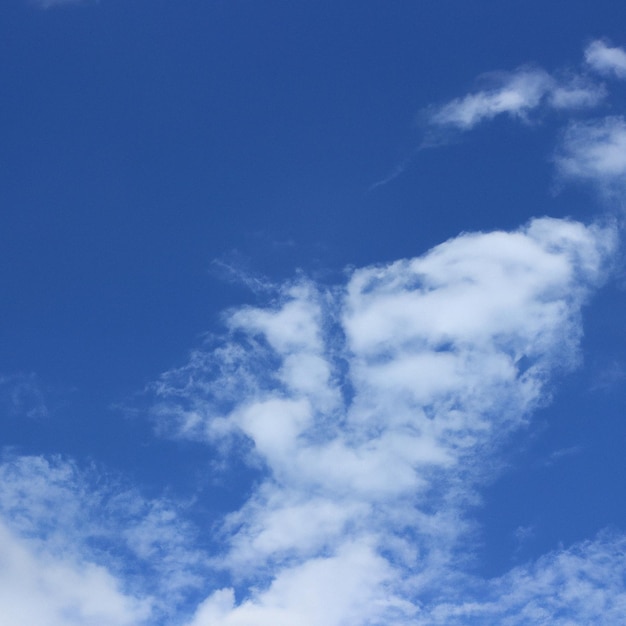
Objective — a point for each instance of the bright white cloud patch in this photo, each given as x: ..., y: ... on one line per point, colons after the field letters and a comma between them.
x: 374, y: 407
x: 606, y: 59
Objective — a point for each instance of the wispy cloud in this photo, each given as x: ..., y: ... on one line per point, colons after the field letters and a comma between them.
x: 22, y: 396
x: 517, y: 94
x: 581, y: 585
x: 562, y: 453
x: 609, y: 377
x: 527, y: 89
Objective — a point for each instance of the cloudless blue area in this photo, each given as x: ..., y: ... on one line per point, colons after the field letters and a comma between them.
x: 143, y: 143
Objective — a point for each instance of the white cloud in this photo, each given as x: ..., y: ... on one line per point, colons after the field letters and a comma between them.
x: 517, y: 94
x: 345, y: 588
x: 595, y: 151
x: 50, y: 590
x: 377, y: 409
x: 75, y: 538
x: 605, y: 59
x: 581, y: 585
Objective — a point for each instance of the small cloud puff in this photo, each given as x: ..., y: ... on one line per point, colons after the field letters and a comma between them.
x: 595, y: 151
x: 607, y: 60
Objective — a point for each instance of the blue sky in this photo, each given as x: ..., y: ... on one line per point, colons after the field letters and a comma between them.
x: 312, y: 313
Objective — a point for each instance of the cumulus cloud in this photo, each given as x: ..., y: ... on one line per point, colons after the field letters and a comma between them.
x: 377, y: 408
x: 607, y: 60
x: 517, y: 94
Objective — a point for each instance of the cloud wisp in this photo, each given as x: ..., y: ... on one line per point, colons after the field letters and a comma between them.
x: 580, y: 585
x: 376, y: 410
x: 517, y: 94
x: 520, y: 95
x: 21, y: 396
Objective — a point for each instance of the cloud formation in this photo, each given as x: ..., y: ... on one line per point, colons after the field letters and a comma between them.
x: 376, y: 409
